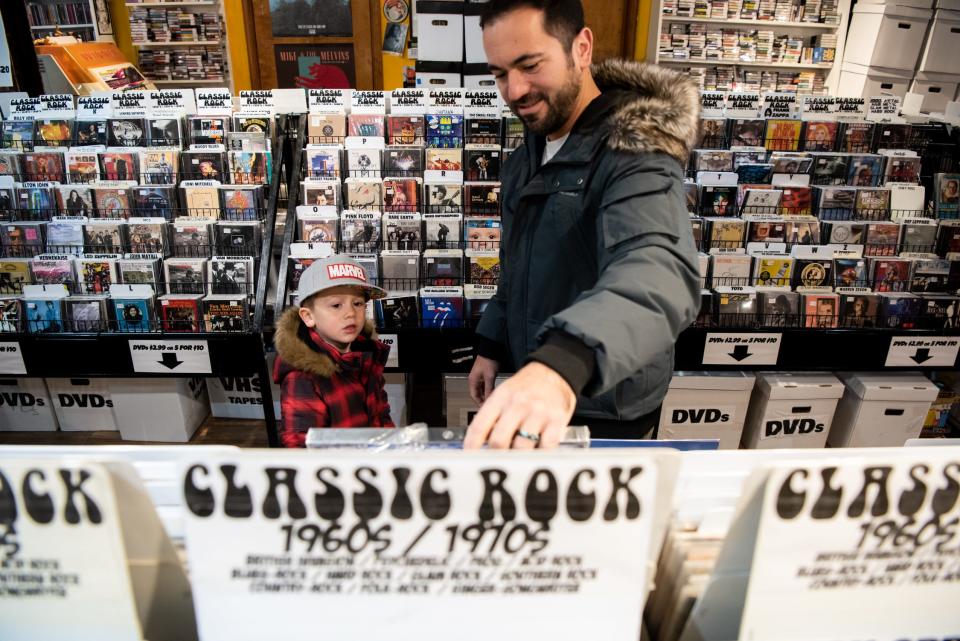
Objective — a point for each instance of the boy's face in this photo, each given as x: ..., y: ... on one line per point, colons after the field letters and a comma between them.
x: 337, y: 315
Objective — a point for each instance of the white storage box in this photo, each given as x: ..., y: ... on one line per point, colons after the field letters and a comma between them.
x: 478, y: 76
x: 858, y: 81
x: 438, y: 75
x: 82, y: 404
x: 439, y: 31
x: 885, y: 35
x: 935, y: 94
x: 239, y: 397
x: 950, y: 5
x: 791, y: 410
x: 881, y: 410
x: 473, y: 35
x: 159, y: 409
x: 916, y: 4
x: 26, y: 406
x: 706, y: 405
x: 943, y: 44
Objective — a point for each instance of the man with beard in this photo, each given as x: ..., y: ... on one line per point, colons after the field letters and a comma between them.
x: 599, y: 271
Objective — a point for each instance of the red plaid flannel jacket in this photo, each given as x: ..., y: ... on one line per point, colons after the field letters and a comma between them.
x: 320, y: 387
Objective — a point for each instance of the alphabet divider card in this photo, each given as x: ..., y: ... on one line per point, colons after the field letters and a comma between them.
x: 83, y: 556
x: 864, y: 545
x: 472, y: 546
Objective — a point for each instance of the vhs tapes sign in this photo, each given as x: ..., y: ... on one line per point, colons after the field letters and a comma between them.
x: 477, y: 547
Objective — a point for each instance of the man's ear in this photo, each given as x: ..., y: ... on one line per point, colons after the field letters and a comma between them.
x: 583, y: 48
x: 307, y: 317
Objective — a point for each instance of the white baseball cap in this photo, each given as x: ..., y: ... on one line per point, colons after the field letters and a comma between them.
x: 335, y: 271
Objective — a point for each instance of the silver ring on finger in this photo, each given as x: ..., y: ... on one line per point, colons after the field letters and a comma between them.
x: 530, y: 436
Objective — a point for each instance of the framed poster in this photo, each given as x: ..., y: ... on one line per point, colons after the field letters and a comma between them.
x: 321, y: 66
x: 319, y: 43
x: 298, y: 18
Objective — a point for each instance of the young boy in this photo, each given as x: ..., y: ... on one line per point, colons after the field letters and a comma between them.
x: 329, y: 362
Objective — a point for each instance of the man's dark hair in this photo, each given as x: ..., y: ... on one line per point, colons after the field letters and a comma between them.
x: 562, y: 19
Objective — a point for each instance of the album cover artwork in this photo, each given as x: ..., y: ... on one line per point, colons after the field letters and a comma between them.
x: 713, y: 134
x: 865, y: 171
x: 857, y: 138
x: 482, y: 162
x: 444, y: 159
x: 401, y: 194
x: 891, y: 275
x: 444, y: 197
x: 366, y: 125
x: 126, y: 132
x: 75, y: 200
x: 783, y: 134
x: 718, y: 200
x: 859, y: 310
x: 444, y: 130
x: 403, y: 161
x: 482, y: 232
x: 484, y: 131
x: 820, y: 310
x: 405, y: 130
x: 850, y: 272
x: 208, y: 130
x: 52, y: 132
x: 820, y: 136
x: 225, y: 313
x: 747, y: 132
x: 830, y: 169
x: 881, y: 239
x: 203, y: 165
x: 90, y: 132
x: 180, y: 312
x: 119, y: 165
x: 165, y: 132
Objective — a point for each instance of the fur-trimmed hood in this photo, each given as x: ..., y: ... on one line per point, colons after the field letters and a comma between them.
x: 663, y: 117
x: 296, y: 351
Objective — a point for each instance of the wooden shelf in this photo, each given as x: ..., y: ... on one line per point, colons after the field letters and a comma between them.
x: 762, y: 65
x: 62, y: 26
x: 776, y: 24
x: 199, y: 43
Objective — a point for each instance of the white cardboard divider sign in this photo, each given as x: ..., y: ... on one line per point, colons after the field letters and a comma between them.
x: 172, y: 102
x: 94, y: 107
x: 214, y: 102
x: 84, y: 557
x: 130, y: 103
x: 847, y: 549
x: 477, y: 547
x: 327, y: 101
x: 741, y: 349
x: 11, y: 359
x: 6, y: 69
x: 170, y: 357
x: 858, y: 549
x: 923, y: 351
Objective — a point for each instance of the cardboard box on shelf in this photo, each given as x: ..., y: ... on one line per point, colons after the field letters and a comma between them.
x: 881, y: 409
x: 159, y: 409
x: 706, y: 405
x: 791, y: 410
x: 82, y: 404
x: 26, y: 406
